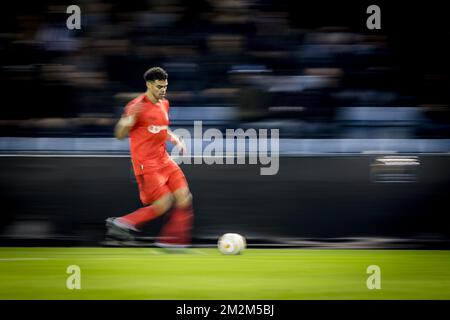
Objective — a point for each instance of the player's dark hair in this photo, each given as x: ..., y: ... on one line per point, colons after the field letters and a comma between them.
x: 155, y: 73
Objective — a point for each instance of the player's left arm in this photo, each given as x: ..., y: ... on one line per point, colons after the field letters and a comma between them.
x: 173, y: 137
x: 176, y: 140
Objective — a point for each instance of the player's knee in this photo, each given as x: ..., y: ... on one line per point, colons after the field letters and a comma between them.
x: 184, y: 201
x: 163, y: 204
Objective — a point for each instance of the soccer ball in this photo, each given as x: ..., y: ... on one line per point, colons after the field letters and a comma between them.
x: 231, y: 243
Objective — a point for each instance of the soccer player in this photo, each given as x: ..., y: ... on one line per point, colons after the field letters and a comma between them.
x: 162, y: 184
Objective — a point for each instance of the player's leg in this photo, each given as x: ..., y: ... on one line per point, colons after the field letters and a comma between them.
x: 141, y: 216
x: 177, y: 230
x: 182, y: 197
x: 154, y: 194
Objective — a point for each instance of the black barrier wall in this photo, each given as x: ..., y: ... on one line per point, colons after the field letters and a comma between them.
x: 68, y: 197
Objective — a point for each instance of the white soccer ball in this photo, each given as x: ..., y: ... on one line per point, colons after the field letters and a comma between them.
x: 231, y: 243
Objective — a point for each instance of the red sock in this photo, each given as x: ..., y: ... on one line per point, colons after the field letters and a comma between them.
x: 140, y: 216
x: 178, y: 229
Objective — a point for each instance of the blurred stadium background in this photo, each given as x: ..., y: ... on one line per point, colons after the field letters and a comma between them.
x: 344, y: 98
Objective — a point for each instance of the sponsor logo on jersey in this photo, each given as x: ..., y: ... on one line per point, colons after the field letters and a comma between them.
x: 156, y: 129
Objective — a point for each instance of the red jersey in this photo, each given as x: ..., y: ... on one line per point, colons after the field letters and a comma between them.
x: 149, y: 133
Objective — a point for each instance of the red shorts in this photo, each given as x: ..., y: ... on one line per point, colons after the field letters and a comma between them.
x: 155, y: 183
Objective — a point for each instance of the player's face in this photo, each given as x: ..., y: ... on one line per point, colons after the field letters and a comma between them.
x: 158, y: 88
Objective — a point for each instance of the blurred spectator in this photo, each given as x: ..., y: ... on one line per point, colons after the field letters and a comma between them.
x: 81, y: 79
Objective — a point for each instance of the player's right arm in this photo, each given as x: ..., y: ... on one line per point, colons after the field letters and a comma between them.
x: 128, y: 120
x: 124, y: 126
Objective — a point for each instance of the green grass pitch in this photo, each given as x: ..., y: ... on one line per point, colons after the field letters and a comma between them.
x: 257, y: 274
